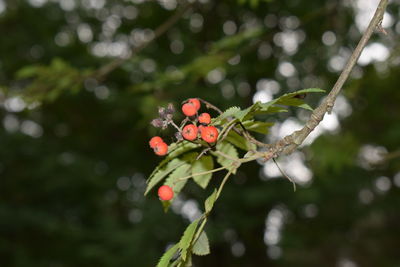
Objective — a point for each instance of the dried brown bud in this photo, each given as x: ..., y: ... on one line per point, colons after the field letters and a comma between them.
x: 161, y: 112
x: 158, y: 123
x: 178, y: 136
x: 170, y: 108
x: 165, y: 125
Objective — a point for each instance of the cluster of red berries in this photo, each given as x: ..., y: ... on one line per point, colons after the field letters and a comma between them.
x: 197, y: 128
x: 190, y: 132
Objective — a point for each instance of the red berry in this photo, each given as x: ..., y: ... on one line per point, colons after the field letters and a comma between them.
x: 189, y: 132
x: 155, y: 140
x: 189, y: 109
x: 165, y: 192
x: 209, y: 134
x: 205, y: 118
x: 161, y: 149
x: 195, y: 102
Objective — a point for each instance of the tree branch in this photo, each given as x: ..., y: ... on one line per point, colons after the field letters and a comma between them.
x: 290, y: 142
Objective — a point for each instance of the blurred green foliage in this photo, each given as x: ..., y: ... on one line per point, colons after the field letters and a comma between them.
x: 74, y: 150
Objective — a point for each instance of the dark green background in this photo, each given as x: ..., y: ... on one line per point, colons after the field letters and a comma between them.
x: 60, y: 203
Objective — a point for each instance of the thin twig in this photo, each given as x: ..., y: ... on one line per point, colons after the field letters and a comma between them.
x: 210, y: 106
x: 203, y: 152
x: 176, y: 126
x: 251, y: 139
x: 284, y: 174
x: 184, y: 121
x: 226, y: 132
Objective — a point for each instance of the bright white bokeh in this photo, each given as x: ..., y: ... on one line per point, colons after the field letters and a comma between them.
x: 14, y: 104
x: 3, y: 6
x: 370, y: 155
x: 383, y: 184
x: 31, y: 128
x: 292, y: 165
x: 374, y: 52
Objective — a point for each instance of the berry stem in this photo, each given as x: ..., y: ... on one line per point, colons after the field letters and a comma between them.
x: 226, y: 132
x: 173, y: 124
x: 203, y: 152
x: 210, y: 106
x: 183, y: 123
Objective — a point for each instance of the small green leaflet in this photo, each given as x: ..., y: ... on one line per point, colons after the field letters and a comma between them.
x: 257, y: 126
x: 202, y: 246
x: 290, y: 100
x: 187, y: 238
x: 243, y: 113
x: 174, y: 150
x: 169, y: 163
x: 205, y: 163
x: 172, y: 180
x: 209, y: 203
x: 162, y: 173
x: 267, y: 108
x: 239, y: 141
x: 226, y: 114
x: 265, y: 111
x: 166, y: 258
x: 230, y: 151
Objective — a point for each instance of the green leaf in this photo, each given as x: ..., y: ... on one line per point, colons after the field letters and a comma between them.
x: 166, y: 258
x: 165, y: 166
x: 294, y: 102
x: 162, y: 172
x: 204, y: 164
x: 269, y: 110
x: 257, y: 126
x: 209, y: 203
x: 230, y: 151
x: 290, y: 100
x: 187, y: 238
x: 270, y: 107
x: 175, y: 150
x: 202, y: 246
x: 239, y: 141
x: 230, y: 112
x: 249, y: 112
x: 173, y: 179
